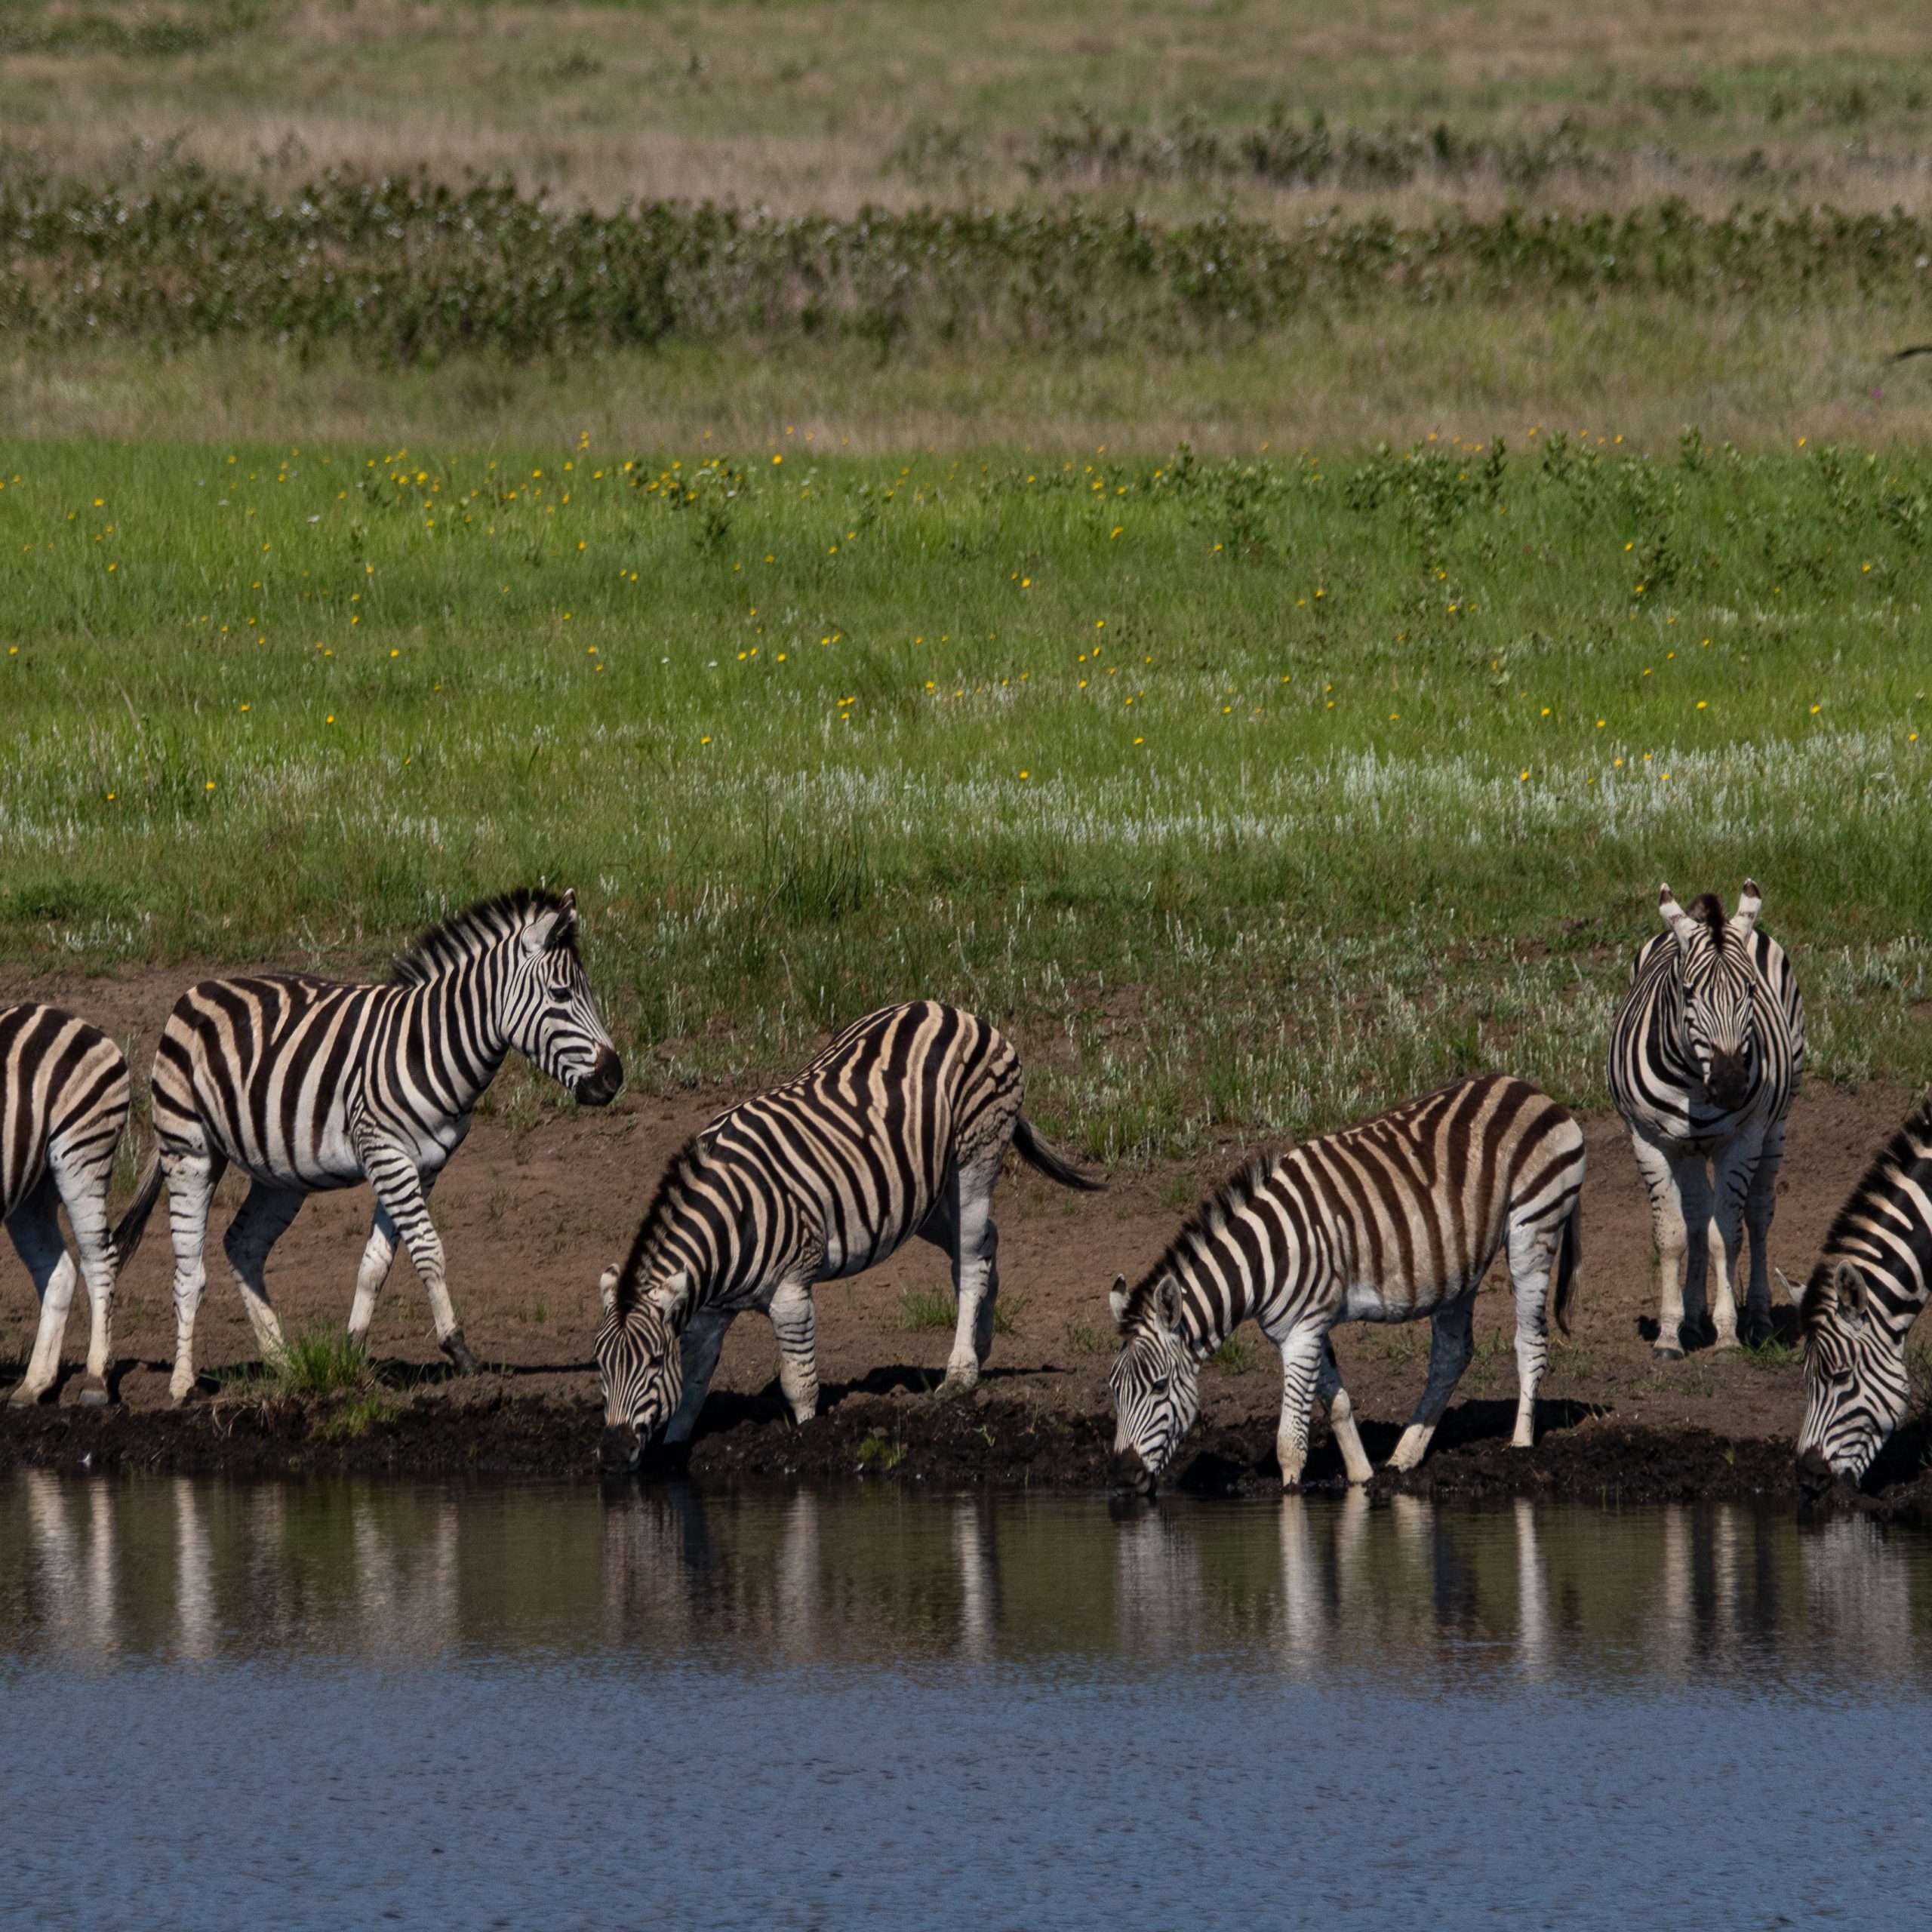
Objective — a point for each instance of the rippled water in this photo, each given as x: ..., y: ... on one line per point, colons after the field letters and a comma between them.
x: 328, y: 1706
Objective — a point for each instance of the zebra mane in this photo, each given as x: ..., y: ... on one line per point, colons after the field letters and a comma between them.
x: 470, y: 933
x: 1849, y: 1237
x: 679, y: 1171
x: 1201, y: 1228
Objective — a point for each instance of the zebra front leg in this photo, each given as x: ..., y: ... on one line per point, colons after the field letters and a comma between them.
x: 193, y: 1173
x: 704, y: 1338
x: 378, y: 1256
x: 1665, y: 1176
x: 35, y: 1230
x: 399, y: 1188
x: 1303, y: 1349
x: 795, y: 1323
x: 1329, y: 1391
x: 1450, y: 1346
x: 1732, y: 1171
x: 975, y: 1279
x: 1759, y: 1204
x: 262, y: 1221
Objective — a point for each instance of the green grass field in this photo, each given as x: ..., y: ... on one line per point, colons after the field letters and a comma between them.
x: 1256, y: 791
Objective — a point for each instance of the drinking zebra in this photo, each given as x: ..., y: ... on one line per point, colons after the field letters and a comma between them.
x: 1388, y: 1221
x: 1706, y: 1054
x: 897, y: 1128
x: 63, y: 1106
x: 306, y: 1084
x: 1872, y: 1278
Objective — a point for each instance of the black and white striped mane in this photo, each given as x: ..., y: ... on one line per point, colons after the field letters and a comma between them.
x: 1850, y: 1236
x: 468, y: 934
x: 1202, y: 1228
x: 684, y: 1165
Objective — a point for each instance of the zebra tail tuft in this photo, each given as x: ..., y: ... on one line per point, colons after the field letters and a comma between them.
x: 128, y: 1230
x: 1043, y: 1155
x: 1569, y: 1252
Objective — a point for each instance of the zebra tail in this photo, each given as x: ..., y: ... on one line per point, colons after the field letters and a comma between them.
x: 128, y: 1230
x: 1569, y: 1252
x: 1043, y: 1155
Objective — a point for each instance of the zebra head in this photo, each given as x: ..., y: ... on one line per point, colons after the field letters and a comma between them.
x: 549, y: 1013
x: 1856, y: 1385
x: 1720, y: 981
x: 640, y: 1361
x: 1156, y: 1382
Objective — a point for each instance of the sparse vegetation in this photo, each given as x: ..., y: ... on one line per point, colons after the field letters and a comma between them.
x: 920, y: 1310
x: 1235, y: 1356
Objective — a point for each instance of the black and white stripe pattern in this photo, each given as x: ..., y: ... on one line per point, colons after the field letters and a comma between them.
x: 897, y: 1128
x: 63, y: 1107
x: 1389, y: 1221
x: 1873, y: 1277
x: 306, y: 1085
x: 1706, y: 1056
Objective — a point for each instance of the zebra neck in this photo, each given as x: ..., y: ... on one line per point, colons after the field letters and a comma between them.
x: 462, y: 1012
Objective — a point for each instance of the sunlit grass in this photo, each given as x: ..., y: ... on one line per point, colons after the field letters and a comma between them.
x: 1249, y: 795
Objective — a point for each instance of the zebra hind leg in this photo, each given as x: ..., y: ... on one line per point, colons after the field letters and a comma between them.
x: 1328, y: 1390
x: 35, y: 1230
x: 975, y: 1280
x: 192, y: 1173
x: 1533, y: 1247
x: 83, y: 1188
x: 795, y: 1322
x: 262, y: 1221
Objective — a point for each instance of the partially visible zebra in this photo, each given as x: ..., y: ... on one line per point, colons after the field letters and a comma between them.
x: 1388, y: 1221
x: 63, y: 1107
x: 1872, y: 1278
x: 306, y: 1084
x: 1705, y: 1055
x: 897, y: 1128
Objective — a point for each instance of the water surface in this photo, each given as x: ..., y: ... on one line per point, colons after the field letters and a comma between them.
x: 330, y: 1705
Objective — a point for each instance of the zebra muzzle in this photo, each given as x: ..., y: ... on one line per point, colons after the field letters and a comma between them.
x: 1815, y: 1476
x: 598, y: 1087
x: 1128, y: 1471
x: 620, y: 1450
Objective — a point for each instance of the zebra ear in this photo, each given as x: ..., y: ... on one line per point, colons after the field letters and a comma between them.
x: 672, y: 1293
x: 607, y: 1288
x: 1676, y: 918
x: 1166, y: 1298
x: 1117, y: 1301
x: 1853, y: 1295
x: 1749, y: 902
x: 553, y: 930
x: 1792, y: 1288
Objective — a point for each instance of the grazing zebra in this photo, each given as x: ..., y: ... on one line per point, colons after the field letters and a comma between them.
x: 63, y: 1106
x: 897, y: 1128
x: 306, y: 1085
x: 1389, y: 1221
x: 1706, y: 1054
x: 1872, y: 1279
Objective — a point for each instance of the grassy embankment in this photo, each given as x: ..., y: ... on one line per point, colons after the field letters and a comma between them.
x: 1258, y: 792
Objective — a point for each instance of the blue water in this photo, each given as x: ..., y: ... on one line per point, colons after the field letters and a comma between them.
x: 336, y: 1707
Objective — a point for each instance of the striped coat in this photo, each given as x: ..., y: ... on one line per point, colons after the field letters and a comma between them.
x: 1389, y: 1221
x: 1705, y: 1055
x: 1872, y: 1279
x: 63, y: 1108
x: 897, y: 1128
x: 307, y: 1084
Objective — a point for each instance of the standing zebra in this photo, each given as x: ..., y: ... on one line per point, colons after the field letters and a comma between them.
x: 1388, y: 1221
x: 897, y: 1128
x: 63, y: 1106
x: 306, y: 1085
x: 1706, y: 1054
x: 1873, y: 1277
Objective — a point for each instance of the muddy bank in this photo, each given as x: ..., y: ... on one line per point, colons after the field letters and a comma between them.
x: 488, y: 1428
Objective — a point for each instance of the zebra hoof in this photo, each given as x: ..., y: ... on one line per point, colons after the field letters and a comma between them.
x: 958, y: 1382
x: 1660, y: 1353
x: 93, y: 1393
x: 457, y: 1350
x: 1725, y: 1342
x: 24, y: 1398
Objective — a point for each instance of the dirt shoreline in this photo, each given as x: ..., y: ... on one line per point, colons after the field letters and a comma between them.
x: 485, y: 1429
x: 541, y: 1198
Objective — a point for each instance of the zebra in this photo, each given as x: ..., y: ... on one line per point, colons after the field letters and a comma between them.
x: 899, y: 1127
x: 1873, y: 1276
x: 63, y: 1107
x: 307, y: 1084
x: 1388, y: 1221
x: 1706, y: 1056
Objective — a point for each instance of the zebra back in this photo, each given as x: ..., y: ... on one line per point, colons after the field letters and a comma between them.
x: 64, y: 1087
x: 1415, y: 1202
